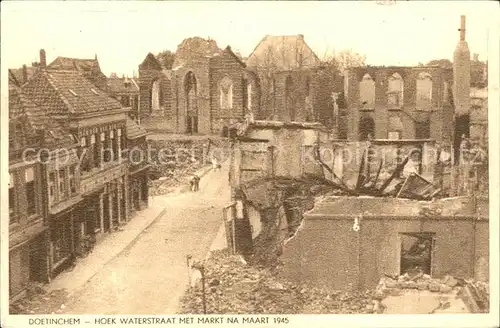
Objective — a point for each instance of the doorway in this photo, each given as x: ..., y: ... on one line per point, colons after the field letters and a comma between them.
x: 106, y: 213
x: 416, y: 252
x: 366, y: 128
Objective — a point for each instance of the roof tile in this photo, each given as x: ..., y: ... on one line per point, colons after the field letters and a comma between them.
x: 62, y: 92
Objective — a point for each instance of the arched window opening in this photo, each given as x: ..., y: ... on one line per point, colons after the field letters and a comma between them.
x: 446, y: 90
x: 396, y: 128
x: 367, y: 92
x: 249, y: 95
x: 395, y: 91
x: 423, y: 129
x: 155, y: 96
x: 226, y: 93
x: 366, y: 128
x: 190, y: 91
x: 424, y: 91
x: 310, y: 117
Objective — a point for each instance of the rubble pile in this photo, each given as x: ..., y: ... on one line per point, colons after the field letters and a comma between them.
x: 420, y: 281
x: 233, y: 286
x: 174, y: 161
x: 477, y: 295
x: 40, y: 301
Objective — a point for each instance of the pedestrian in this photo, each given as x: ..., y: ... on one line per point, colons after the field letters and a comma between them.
x: 215, y: 164
x: 195, y: 183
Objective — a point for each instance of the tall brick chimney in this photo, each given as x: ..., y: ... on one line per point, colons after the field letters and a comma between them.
x: 43, y: 59
x: 461, y: 73
x: 462, y: 28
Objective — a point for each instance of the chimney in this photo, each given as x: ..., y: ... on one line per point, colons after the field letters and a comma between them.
x: 462, y: 28
x: 475, y: 57
x: 43, y: 59
x: 25, y: 73
x: 461, y: 73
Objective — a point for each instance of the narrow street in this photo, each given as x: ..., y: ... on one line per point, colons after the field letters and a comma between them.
x: 150, y: 275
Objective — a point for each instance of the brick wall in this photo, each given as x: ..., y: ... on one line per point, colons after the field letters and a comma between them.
x: 374, y: 250
x: 200, y: 68
x: 221, y: 66
x: 440, y: 115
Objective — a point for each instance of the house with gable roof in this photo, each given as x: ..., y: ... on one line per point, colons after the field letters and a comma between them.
x: 101, y: 128
x: 294, y: 86
x: 34, y: 141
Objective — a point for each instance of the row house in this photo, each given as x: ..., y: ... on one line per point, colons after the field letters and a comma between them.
x: 398, y: 103
x: 88, y: 188
x: 208, y: 88
x: 34, y: 144
x: 138, y: 168
x: 89, y: 68
x: 126, y: 91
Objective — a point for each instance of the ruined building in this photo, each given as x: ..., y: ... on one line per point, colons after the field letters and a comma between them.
x: 292, y: 81
x: 381, y: 203
x: 461, y: 85
x: 207, y: 89
x: 398, y: 103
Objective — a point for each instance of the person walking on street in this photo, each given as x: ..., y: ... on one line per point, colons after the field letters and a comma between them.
x: 195, y: 183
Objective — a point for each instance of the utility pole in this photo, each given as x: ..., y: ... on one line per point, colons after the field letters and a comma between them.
x: 200, y: 267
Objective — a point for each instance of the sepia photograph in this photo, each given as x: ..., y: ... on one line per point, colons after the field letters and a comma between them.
x: 258, y: 163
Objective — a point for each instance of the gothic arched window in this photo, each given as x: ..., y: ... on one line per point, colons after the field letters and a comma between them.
x: 395, y: 91
x: 226, y: 93
x: 155, y: 96
x: 424, y: 91
x: 367, y: 92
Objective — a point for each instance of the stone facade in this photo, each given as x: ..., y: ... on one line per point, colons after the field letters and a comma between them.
x: 189, y: 93
x: 294, y: 86
x: 193, y: 99
x: 377, y: 106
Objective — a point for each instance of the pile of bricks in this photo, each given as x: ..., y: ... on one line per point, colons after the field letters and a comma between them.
x: 396, y: 285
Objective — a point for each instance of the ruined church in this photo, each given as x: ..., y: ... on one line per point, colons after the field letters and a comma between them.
x: 207, y: 88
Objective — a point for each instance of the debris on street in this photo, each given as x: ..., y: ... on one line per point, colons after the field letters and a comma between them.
x: 39, y: 301
x: 235, y: 287
x: 179, y: 160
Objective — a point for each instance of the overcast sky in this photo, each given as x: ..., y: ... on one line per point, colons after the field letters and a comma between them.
x: 121, y: 34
